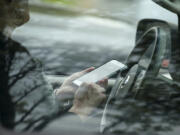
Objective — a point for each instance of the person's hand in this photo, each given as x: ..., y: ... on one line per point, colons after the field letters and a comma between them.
x: 172, y: 5
x: 87, y: 98
x: 67, y: 89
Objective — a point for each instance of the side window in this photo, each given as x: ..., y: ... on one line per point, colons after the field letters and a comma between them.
x: 47, y: 44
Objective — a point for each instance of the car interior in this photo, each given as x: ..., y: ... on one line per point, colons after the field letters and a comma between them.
x: 143, y: 99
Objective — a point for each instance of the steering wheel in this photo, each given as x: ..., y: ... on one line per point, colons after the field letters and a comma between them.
x: 144, y: 62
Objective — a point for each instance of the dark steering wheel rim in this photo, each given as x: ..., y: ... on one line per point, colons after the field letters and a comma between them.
x: 159, y: 38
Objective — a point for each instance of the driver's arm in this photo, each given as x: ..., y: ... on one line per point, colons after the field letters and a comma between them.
x: 85, y: 98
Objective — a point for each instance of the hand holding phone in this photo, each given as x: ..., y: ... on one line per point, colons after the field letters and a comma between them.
x: 100, y: 73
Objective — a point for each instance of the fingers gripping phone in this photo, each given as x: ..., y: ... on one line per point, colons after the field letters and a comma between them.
x: 100, y: 73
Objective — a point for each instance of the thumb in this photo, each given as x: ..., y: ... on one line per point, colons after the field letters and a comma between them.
x: 81, y: 73
x: 86, y: 71
x: 77, y: 75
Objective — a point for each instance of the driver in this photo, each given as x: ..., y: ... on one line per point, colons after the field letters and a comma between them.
x: 25, y: 101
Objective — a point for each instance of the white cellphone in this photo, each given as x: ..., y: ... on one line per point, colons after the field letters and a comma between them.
x: 100, y: 73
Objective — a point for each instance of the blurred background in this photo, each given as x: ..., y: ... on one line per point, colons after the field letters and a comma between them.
x: 70, y: 35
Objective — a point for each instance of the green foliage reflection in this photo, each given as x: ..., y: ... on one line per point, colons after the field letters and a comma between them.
x: 65, y: 2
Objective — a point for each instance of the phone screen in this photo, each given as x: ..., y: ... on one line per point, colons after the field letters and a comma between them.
x: 100, y: 73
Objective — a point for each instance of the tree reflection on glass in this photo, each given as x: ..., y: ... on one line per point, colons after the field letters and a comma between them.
x: 26, y: 102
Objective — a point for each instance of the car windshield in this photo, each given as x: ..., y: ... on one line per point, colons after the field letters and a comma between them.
x: 45, y: 45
